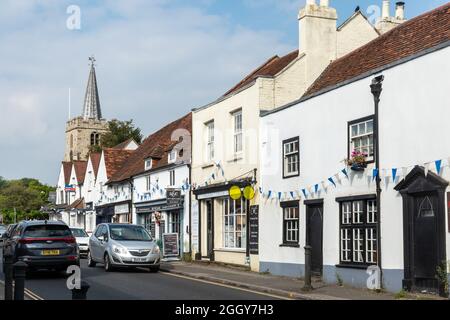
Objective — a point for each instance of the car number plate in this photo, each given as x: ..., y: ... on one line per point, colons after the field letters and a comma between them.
x: 139, y: 259
x: 50, y: 252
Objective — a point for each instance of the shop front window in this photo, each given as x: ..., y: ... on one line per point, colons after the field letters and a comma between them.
x: 234, y: 223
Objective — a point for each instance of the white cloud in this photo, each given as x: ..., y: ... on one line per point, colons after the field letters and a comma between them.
x: 156, y: 61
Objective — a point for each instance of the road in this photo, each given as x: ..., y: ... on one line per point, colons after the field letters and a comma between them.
x: 134, y: 285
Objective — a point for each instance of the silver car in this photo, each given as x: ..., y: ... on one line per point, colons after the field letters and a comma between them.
x: 123, y: 245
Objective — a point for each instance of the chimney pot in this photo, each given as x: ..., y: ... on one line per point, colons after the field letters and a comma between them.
x: 324, y: 3
x: 400, y: 10
x: 310, y: 2
x: 386, y: 9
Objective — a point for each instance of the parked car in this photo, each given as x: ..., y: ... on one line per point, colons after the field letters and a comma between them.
x: 123, y: 245
x: 43, y: 245
x: 2, y: 231
x: 6, y: 236
x: 82, y: 240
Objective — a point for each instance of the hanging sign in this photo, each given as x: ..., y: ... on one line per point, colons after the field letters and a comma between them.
x: 249, y: 193
x: 235, y: 193
x: 254, y: 230
x: 173, y: 196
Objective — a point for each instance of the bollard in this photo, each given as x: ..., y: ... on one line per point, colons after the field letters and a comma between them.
x: 8, y: 270
x: 307, y: 286
x: 20, y: 268
x: 81, y: 294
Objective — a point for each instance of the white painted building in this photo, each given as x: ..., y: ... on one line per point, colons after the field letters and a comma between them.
x: 226, y: 131
x: 155, y: 181
x: 307, y: 198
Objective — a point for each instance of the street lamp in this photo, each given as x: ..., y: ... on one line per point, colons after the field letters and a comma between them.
x: 376, y: 89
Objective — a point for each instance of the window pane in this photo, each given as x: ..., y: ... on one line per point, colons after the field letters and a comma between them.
x: 362, y: 128
x: 370, y: 126
x: 354, y: 130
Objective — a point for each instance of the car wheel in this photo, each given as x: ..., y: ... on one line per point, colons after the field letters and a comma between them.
x: 108, y: 266
x: 154, y: 269
x: 91, y: 263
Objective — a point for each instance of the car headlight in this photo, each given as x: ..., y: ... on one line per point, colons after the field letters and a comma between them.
x: 119, y: 250
x: 156, y: 250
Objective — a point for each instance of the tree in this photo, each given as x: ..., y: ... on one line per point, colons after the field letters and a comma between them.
x: 119, y: 131
x: 25, y: 196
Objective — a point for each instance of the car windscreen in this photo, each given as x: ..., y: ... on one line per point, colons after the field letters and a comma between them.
x: 47, y: 231
x: 129, y: 233
x: 2, y: 228
x: 79, y: 233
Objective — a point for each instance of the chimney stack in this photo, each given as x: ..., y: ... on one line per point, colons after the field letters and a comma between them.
x: 386, y: 9
x: 324, y: 3
x: 400, y: 10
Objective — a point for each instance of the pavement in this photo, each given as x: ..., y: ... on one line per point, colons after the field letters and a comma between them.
x: 276, y: 285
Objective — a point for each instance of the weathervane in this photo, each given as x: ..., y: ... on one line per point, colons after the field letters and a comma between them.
x: 92, y: 60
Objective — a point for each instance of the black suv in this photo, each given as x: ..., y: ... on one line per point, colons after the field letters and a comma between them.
x: 43, y: 245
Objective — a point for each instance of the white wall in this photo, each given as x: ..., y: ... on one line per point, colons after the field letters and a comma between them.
x: 162, y: 179
x: 414, y: 109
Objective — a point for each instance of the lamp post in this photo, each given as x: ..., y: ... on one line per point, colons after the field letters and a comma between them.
x: 376, y: 89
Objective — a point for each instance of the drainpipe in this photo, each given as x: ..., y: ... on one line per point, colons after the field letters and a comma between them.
x: 376, y: 89
x: 190, y: 213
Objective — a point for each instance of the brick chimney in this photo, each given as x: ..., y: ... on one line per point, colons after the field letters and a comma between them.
x: 317, y: 37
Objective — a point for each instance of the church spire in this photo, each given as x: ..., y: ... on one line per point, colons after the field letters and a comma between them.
x: 91, y: 109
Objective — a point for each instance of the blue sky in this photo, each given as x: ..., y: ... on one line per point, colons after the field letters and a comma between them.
x: 156, y: 60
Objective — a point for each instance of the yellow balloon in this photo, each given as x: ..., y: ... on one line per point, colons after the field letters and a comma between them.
x: 249, y: 192
x: 235, y: 193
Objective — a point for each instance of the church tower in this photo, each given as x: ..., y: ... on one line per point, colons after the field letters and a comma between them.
x: 85, y: 131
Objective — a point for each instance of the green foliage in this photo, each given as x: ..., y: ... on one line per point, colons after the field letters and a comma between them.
x: 401, y: 295
x: 339, y: 280
x: 442, y: 276
x: 25, y: 196
x: 120, y: 131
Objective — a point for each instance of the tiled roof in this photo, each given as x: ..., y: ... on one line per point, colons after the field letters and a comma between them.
x: 124, y: 144
x: 269, y: 69
x: 95, y: 159
x: 412, y: 37
x: 157, y: 146
x: 78, y: 204
x: 80, y: 170
x: 67, y: 167
x: 114, y: 159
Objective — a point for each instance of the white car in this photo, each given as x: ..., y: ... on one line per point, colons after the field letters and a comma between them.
x: 82, y: 240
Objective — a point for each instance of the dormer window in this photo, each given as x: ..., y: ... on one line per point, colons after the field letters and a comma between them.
x: 148, y: 164
x: 172, y: 156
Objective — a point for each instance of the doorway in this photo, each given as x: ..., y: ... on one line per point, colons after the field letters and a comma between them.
x: 314, y: 235
x: 210, y: 229
x: 423, y: 229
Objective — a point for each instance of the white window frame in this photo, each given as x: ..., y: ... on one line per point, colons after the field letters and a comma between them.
x: 358, y: 232
x: 148, y: 163
x: 210, y: 136
x: 172, y: 178
x: 148, y: 183
x: 291, y: 157
x: 238, y: 139
x: 291, y: 225
x: 230, y: 221
x: 359, y: 132
x: 172, y: 157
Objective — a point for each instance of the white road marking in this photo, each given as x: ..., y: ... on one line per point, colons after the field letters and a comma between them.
x: 226, y: 286
x: 28, y: 292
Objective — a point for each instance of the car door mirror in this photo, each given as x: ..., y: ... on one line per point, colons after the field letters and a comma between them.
x: 101, y: 238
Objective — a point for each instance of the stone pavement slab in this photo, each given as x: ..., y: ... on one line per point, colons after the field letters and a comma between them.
x: 283, y: 286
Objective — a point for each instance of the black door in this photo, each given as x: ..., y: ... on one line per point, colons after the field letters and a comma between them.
x: 314, y: 236
x: 425, y: 242
x: 210, y: 229
x: 423, y: 229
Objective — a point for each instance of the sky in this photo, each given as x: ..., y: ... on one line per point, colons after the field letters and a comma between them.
x: 156, y: 60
